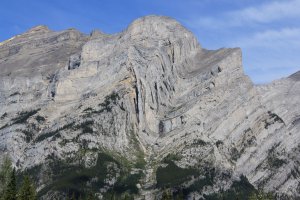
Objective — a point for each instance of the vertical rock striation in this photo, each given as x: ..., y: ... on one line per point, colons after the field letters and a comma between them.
x: 142, y: 97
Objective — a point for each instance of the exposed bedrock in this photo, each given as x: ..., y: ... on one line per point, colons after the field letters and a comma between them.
x: 142, y: 95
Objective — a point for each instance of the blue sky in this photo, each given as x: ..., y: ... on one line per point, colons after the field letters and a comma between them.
x: 268, y: 31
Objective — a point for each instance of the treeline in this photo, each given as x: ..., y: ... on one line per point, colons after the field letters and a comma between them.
x: 9, y: 189
x: 24, y: 189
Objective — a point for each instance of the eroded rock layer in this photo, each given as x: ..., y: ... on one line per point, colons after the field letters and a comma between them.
x: 142, y: 110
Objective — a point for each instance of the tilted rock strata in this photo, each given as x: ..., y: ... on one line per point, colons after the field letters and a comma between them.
x: 148, y: 91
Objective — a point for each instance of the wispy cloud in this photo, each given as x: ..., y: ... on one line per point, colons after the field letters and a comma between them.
x: 264, y: 13
x: 283, y: 38
x: 268, y: 33
x: 271, y: 54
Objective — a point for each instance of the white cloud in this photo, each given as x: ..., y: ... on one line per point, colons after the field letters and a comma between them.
x: 277, y: 10
x: 268, y: 33
x: 283, y: 38
x: 265, y: 13
x: 271, y: 54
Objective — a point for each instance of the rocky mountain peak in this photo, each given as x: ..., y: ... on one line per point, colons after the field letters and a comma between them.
x: 38, y: 29
x: 161, y: 31
x: 148, y: 105
x: 157, y: 27
x: 295, y: 76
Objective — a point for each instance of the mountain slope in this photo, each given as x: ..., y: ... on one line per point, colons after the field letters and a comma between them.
x: 142, y: 110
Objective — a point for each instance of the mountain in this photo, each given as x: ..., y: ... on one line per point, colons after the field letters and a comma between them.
x: 143, y: 114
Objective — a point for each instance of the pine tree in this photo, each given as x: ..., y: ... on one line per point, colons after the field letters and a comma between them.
x: 67, y: 197
x: 180, y: 196
x: 90, y: 197
x: 126, y: 197
x: 27, y: 190
x: 166, y: 195
x: 113, y: 196
x: 11, y: 190
x: 73, y: 196
x: 260, y: 195
x: 5, y: 172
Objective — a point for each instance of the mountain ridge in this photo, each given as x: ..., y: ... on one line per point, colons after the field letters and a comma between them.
x: 143, y: 96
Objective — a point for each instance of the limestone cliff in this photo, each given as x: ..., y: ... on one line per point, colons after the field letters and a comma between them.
x: 115, y: 112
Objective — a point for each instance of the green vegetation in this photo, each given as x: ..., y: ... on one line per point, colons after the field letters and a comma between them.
x: 40, y: 119
x: 140, y: 161
x: 27, y: 190
x: 46, y: 135
x: 88, y: 109
x: 127, y: 183
x: 5, y: 174
x: 240, y: 190
x: 167, y: 195
x: 235, y: 154
x: 10, y: 192
x: 199, y: 142
x: 86, y: 126
x: 106, y: 105
x: 171, y: 157
x: 81, y: 181
x: 207, y: 180
x: 112, y: 98
x: 140, y: 155
x: 219, y: 143
x: 78, y: 182
x: 69, y: 179
x: 274, y: 117
x: 173, y: 194
x: 111, y: 195
x: 172, y: 175
x: 179, y: 192
x: 24, y: 116
x: 171, y: 180
x: 273, y: 160
x: 9, y: 187
x: 14, y: 94
x: 53, y: 133
x: 4, y: 126
x: 28, y: 135
x: 3, y: 116
x: 260, y: 195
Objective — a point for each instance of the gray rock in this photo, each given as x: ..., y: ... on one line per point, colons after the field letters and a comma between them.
x: 150, y: 90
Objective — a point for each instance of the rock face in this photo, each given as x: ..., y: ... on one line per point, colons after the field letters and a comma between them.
x: 129, y: 106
